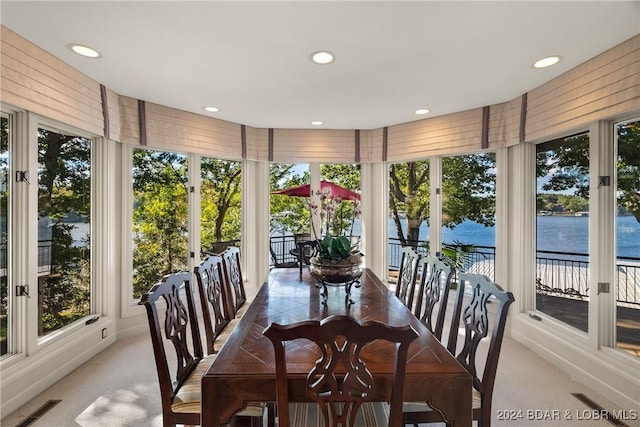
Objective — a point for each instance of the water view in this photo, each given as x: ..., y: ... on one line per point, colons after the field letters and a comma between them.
x: 554, y: 233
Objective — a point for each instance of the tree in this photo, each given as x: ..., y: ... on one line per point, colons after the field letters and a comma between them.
x: 468, y: 189
x: 347, y: 176
x: 64, y: 182
x: 409, y: 193
x: 628, y: 166
x: 288, y: 214
x: 159, y: 216
x: 221, y: 191
x: 565, y: 162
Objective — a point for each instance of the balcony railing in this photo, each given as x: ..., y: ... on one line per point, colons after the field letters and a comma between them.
x: 563, y: 274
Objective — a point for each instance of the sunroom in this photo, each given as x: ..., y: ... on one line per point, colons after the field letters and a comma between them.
x: 543, y: 186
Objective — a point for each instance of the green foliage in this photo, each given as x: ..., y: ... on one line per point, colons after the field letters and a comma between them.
x: 458, y: 253
x: 64, y: 183
x: 468, y: 192
x: 334, y: 247
x: 288, y: 215
x: 160, y: 217
x: 468, y: 189
x: 220, y: 202
x: 559, y: 203
x: 628, y: 167
x: 347, y: 176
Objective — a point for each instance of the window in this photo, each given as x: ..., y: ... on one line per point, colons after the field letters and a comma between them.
x: 628, y: 237
x: 468, y: 212
x: 160, y: 217
x: 408, y: 208
x: 64, y: 229
x: 220, y: 203
x: 562, y: 230
x: 6, y: 324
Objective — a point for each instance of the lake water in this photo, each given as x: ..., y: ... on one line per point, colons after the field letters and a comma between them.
x: 554, y: 233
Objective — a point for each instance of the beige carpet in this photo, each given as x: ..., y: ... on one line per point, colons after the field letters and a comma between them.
x: 119, y: 388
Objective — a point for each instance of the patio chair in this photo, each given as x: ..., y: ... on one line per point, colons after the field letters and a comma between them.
x: 481, y: 321
x: 283, y: 264
x: 178, y: 329
x: 405, y: 287
x: 433, y: 294
x: 306, y: 250
x: 339, y: 397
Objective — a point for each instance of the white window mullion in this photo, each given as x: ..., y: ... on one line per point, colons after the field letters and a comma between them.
x: 602, y: 231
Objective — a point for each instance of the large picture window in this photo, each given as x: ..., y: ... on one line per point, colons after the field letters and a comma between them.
x: 408, y: 209
x: 64, y: 229
x: 220, y: 204
x: 468, y: 212
x: 562, y: 230
x: 160, y: 217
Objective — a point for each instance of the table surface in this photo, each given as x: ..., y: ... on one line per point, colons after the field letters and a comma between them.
x: 244, y: 369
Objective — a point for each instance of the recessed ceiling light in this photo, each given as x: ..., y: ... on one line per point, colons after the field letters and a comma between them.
x: 84, y: 51
x: 322, y: 57
x: 546, y: 62
x: 422, y: 111
x: 211, y: 109
x: 317, y: 123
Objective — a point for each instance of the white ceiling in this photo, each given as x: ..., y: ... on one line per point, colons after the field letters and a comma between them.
x: 251, y: 59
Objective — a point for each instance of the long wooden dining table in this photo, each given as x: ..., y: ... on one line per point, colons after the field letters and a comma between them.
x: 244, y: 369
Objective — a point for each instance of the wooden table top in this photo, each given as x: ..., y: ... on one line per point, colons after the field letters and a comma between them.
x: 244, y: 369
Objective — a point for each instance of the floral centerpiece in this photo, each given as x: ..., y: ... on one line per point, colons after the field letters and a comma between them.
x: 337, y: 260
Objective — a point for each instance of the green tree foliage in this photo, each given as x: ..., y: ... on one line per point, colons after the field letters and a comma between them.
x: 347, y: 176
x: 468, y: 189
x: 288, y: 215
x: 468, y: 193
x: 159, y: 217
x: 560, y: 203
x: 628, y: 166
x: 565, y: 162
x: 220, y: 203
x: 64, y: 189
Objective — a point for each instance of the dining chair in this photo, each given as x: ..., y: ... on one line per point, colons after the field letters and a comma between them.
x: 233, y: 277
x: 433, y: 294
x: 177, y: 329
x: 339, y: 382
x: 407, y: 274
x: 217, y: 313
x: 482, y: 320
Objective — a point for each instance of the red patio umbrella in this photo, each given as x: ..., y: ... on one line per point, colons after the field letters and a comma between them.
x: 334, y: 190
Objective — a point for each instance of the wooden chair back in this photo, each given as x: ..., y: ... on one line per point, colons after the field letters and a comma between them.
x: 433, y: 294
x: 172, y: 324
x: 217, y: 311
x: 233, y: 276
x: 485, y: 315
x: 340, y: 381
x: 405, y: 288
